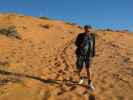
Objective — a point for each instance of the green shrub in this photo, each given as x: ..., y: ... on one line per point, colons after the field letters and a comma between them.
x: 47, y: 26
x: 69, y: 23
x: 126, y: 30
x: 44, y: 17
x: 10, y: 31
x: 80, y: 27
x: 108, y: 30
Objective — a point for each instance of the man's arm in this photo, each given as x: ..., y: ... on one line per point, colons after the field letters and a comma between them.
x: 78, y: 40
x: 93, y: 47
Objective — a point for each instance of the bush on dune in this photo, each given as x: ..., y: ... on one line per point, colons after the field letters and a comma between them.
x: 10, y: 31
x: 69, y: 23
x: 109, y: 30
x: 45, y: 18
x: 46, y: 26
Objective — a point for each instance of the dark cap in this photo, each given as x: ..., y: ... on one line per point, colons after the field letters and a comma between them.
x: 88, y: 26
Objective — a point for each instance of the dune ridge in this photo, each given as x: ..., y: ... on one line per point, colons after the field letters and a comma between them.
x: 40, y: 65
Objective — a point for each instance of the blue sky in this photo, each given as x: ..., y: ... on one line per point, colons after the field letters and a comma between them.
x: 116, y: 14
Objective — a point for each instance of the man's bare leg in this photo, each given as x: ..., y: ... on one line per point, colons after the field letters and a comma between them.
x: 91, y: 87
x: 88, y: 73
x: 80, y: 78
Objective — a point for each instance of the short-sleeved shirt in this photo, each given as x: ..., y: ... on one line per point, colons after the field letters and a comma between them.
x: 88, y: 42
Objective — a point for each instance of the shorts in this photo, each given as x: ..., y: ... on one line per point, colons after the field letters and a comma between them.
x: 81, y: 60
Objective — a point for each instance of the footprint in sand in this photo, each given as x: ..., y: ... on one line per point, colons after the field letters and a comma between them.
x: 72, y: 88
x: 62, y: 91
x: 57, y: 63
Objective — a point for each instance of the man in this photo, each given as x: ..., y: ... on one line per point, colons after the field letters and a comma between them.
x: 85, y: 43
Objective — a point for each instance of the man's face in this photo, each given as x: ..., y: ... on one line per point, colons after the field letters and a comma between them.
x: 87, y: 30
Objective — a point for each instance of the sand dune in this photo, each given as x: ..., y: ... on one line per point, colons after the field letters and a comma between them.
x: 41, y: 64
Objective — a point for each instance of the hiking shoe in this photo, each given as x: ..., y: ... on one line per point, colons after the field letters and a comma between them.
x: 91, y: 87
x: 81, y: 81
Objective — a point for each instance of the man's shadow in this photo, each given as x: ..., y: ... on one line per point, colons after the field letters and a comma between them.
x: 3, y: 72
x: 69, y: 83
x: 91, y: 97
x: 45, y: 81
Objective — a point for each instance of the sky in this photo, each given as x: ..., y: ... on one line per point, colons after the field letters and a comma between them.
x: 114, y: 14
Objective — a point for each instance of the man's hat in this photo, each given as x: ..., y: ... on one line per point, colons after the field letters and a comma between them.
x: 88, y: 26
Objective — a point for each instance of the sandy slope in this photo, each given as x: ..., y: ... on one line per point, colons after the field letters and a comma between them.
x: 41, y: 66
